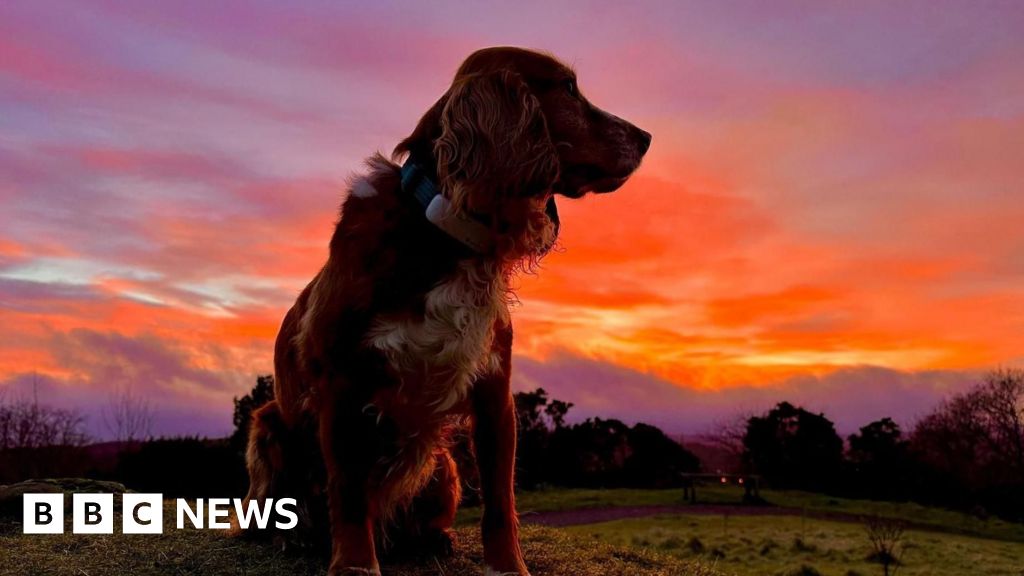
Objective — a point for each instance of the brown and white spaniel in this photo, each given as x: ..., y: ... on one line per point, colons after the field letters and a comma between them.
x: 406, y: 328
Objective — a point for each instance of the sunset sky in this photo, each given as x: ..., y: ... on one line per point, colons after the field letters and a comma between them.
x: 832, y: 210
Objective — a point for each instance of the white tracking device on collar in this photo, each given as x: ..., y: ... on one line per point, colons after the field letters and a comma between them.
x: 463, y: 228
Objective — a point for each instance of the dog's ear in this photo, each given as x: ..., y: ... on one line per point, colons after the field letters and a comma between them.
x: 493, y: 143
x: 421, y: 142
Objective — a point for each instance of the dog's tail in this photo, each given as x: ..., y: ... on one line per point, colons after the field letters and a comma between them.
x: 264, y: 458
x: 284, y: 462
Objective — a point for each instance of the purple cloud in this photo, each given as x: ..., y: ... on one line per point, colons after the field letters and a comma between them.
x: 850, y: 397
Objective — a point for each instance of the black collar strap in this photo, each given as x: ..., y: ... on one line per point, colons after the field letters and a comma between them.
x: 439, y: 211
x: 416, y: 182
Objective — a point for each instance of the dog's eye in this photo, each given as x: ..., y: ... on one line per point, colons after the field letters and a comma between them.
x: 571, y: 88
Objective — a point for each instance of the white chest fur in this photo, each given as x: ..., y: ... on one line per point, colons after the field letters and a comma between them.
x: 449, y: 346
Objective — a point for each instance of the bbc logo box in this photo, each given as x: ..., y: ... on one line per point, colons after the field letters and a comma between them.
x: 144, y: 513
x: 92, y: 514
x: 43, y: 514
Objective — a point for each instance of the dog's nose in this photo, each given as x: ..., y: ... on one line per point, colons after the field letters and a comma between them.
x: 645, y: 141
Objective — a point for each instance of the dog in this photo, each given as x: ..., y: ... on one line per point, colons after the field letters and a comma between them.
x: 405, y: 330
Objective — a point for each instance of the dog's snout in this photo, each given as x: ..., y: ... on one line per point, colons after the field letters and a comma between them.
x: 644, y: 137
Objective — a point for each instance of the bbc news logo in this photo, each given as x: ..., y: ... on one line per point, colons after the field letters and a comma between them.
x: 144, y: 513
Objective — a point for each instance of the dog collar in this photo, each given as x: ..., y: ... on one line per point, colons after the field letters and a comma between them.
x: 440, y: 212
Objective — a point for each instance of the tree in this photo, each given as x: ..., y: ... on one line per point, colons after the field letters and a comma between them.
x: 37, y: 440
x: 27, y: 424
x: 794, y: 448
x: 880, y: 440
x: 879, y: 457
x: 128, y: 417
x: 595, y: 452
x: 973, y: 444
x: 656, y: 460
x: 591, y: 453
x: 727, y: 434
x: 556, y: 411
x: 533, y: 436
x: 536, y: 412
x: 1000, y: 406
x: 979, y: 430
x: 260, y: 394
x: 530, y: 410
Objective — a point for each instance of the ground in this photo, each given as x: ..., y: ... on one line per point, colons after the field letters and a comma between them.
x: 589, y: 532
x: 793, y: 534
x: 190, y: 552
x: 719, y: 500
x: 756, y: 545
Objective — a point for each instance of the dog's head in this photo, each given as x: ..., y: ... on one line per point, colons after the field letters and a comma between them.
x: 514, y: 129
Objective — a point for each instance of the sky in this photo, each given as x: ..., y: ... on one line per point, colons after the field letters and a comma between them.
x: 830, y: 213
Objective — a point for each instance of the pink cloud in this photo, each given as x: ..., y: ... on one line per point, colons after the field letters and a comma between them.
x: 826, y: 189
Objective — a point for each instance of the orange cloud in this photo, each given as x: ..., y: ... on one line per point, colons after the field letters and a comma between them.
x: 797, y: 216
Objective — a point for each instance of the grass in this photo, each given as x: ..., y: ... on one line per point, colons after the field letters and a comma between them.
x: 937, y: 518
x: 576, y: 498
x: 193, y: 552
x: 941, y: 543
x: 921, y: 516
x: 774, y: 545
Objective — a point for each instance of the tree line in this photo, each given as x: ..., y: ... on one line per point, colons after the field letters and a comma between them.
x: 594, y: 453
x: 967, y: 453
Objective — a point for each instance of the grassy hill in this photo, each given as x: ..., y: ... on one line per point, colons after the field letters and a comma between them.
x: 934, y: 519
x: 808, y: 546
x: 795, y: 534
x: 192, y: 552
x: 804, y: 535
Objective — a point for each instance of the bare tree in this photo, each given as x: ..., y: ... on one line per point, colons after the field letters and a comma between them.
x: 128, y: 417
x: 886, y: 537
x: 38, y: 440
x: 29, y: 424
x: 978, y: 436
x: 727, y: 434
x: 999, y: 402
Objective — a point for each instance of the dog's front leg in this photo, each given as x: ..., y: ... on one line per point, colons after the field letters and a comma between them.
x: 349, y: 510
x: 494, y: 418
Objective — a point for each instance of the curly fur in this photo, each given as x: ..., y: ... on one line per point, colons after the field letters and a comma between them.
x: 404, y: 334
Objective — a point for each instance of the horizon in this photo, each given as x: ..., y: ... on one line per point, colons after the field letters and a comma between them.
x: 829, y: 213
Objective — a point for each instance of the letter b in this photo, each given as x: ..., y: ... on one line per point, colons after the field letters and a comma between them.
x: 92, y: 513
x: 42, y: 514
